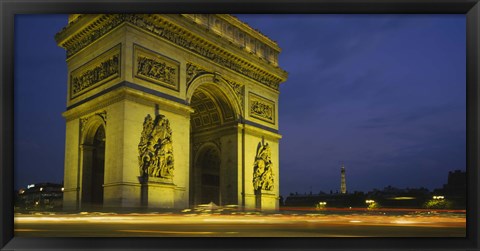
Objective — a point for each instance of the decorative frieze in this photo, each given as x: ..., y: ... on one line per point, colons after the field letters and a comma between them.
x: 154, y: 67
x: 262, y: 168
x: 237, y: 32
x: 159, y: 27
x: 156, y: 148
x: 261, y: 108
x: 96, y: 72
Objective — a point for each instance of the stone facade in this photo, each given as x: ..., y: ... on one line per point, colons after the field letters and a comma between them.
x: 212, y: 78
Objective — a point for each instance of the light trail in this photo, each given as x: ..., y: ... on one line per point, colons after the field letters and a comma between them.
x: 256, y: 225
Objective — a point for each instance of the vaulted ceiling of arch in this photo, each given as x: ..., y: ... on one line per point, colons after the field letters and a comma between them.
x: 209, y: 111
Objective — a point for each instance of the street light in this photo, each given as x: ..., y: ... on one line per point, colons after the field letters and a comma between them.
x: 321, y: 205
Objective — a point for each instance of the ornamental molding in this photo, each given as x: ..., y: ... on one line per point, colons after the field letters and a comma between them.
x: 195, y: 71
x: 239, y: 91
x: 197, y: 145
x: 160, y: 27
x: 85, y: 120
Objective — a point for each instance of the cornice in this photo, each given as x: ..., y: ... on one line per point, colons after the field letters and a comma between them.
x: 88, y: 28
x: 251, y: 31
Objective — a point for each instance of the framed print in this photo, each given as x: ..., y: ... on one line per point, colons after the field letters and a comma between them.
x: 309, y: 126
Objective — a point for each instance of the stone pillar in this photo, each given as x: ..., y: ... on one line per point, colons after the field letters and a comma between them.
x: 156, y: 193
x: 265, y: 200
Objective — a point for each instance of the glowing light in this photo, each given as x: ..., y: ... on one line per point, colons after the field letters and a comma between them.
x: 41, y: 189
x: 30, y: 186
x: 404, y: 198
x: 63, y: 189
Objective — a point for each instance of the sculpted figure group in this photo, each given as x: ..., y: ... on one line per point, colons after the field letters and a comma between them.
x: 156, y: 70
x: 155, y: 148
x: 95, y: 75
x: 262, y: 171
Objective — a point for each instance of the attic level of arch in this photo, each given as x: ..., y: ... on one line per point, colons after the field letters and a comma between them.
x: 242, y: 50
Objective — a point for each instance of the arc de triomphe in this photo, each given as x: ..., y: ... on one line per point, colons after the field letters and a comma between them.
x: 170, y: 111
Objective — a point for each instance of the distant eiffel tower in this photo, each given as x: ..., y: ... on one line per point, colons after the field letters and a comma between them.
x: 343, y: 185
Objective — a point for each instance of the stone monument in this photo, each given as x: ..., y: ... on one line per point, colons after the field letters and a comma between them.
x: 170, y: 111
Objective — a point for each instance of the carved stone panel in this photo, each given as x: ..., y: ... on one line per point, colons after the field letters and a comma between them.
x: 261, y: 108
x: 239, y: 91
x: 194, y: 71
x: 156, y: 148
x: 262, y: 169
x: 156, y: 68
x: 160, y: 28
x: 100, y: 70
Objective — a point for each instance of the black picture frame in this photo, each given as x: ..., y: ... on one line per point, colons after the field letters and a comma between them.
x: 8, y: 9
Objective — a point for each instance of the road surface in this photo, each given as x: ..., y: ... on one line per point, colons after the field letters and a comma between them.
x: 239, y: 225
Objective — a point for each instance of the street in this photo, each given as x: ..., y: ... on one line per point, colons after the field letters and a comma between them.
x: 239, y: 225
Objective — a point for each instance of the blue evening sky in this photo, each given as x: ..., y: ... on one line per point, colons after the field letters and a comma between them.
x: 383, y: 93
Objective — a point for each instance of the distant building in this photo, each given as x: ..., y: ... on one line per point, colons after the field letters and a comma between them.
x: 40, y: 196
x: 336, y: 200
x: 343, y: 184
x: 456, y: 189
x: 392, y: 197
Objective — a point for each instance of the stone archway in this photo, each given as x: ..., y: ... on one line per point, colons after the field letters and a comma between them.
x: 206, y: 175
x: 213, y: 135
x: 93, y: 163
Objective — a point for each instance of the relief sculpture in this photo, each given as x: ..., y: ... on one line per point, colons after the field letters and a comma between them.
x: 157, y: 70
x: 262, y: 110
x: 193, y: 71
x: 92, y: 76
x: 156, y: 148
x: 262, y: 170
x: 166, y: 32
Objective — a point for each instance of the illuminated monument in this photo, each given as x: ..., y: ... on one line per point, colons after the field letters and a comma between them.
x: 170, y: 111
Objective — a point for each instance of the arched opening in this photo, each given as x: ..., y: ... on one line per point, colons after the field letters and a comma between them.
x: 93, y: 169
x: 208, y: 168
x: 212, y: 122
